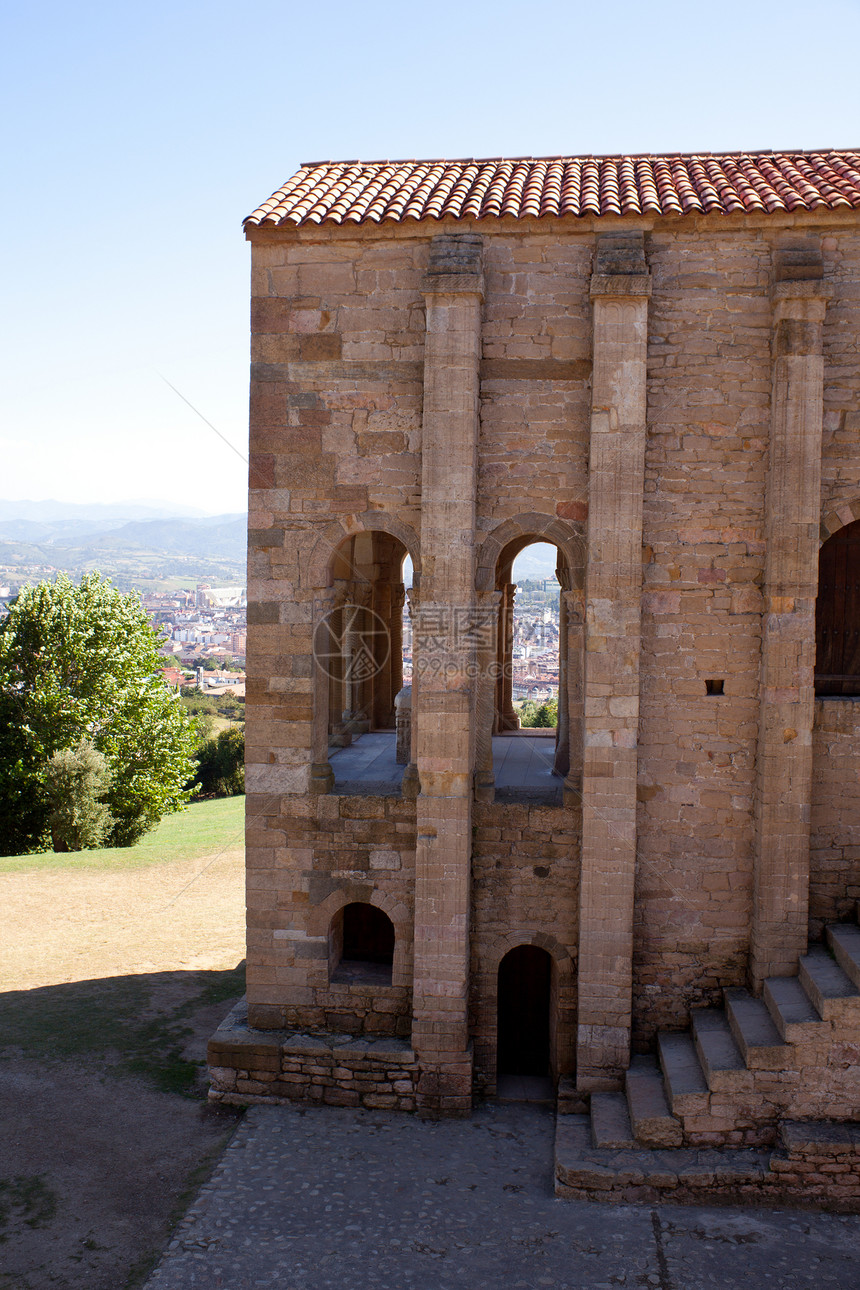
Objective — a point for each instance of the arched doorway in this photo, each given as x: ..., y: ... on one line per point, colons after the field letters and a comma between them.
x: 524, y: 990
x: 837, y: 614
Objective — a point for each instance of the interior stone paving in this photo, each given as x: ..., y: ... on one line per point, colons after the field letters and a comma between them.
x: 520, y: 763
x: 311, y: 1198
x: 523, y: 761
x: 368, y: 763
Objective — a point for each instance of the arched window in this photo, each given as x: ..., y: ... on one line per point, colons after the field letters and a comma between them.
x: 360, y: 656
x: 532, y: 718
x: 361, y: 945
x: 837, y: 614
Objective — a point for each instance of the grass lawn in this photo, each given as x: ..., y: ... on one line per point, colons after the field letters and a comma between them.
x: 203, y: 828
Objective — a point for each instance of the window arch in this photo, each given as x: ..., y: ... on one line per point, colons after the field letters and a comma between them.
x: 361, y: 945
x: 837, y: 614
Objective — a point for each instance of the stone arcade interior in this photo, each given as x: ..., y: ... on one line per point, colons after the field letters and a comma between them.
x: 652, y: 363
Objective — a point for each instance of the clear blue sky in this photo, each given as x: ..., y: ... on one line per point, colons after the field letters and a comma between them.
x: 136, y: 139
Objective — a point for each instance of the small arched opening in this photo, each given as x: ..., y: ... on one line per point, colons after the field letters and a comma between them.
x: 837, y: 614
x: 525, y: 987
x: 361, y: 945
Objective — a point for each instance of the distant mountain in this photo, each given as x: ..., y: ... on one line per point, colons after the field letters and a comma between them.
x: 215, y: 537
x: 48, y: 531
x: 50, y: 511
x: 537, y: 561
x: 132, y: 550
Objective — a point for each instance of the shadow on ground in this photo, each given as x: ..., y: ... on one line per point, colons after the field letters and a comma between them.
x: 105, y: 1133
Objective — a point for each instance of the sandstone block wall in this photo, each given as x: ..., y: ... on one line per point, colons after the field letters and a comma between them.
x: 525, y: 890
x: 834, y: 878
x: 338, y: 394
x: 321, y: 854
x: 249, y: 1066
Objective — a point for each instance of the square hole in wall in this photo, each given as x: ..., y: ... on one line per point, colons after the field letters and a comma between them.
x: 714, y: 686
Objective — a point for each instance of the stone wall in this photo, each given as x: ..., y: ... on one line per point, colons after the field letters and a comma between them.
x: 338, y: 397
x: 320, y: 854
x: 840, y: 465
x: 525, y: 891
x: 708, y: 411
x: 834, y: 879
x: 247, y: 1066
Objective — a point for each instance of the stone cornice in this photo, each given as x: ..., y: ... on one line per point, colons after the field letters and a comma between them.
x: 452, y: 284
x: 620, y: 284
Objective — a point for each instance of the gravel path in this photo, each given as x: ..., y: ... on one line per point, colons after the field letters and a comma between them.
x: 322, y: 1197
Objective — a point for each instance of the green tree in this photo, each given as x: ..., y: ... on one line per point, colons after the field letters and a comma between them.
x: 543, y: 717
x: 76, y: 781
x: 221, y: 765
x: 82, y: 662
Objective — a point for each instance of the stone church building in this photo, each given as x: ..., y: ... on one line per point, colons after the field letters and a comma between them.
x: 651, y: 363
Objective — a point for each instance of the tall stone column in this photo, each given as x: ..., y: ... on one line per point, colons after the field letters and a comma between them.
x: 507, y: 717
x: 398, y: 599
x: 490, y: 663
x: 620, y: 289
x: 445, y: 703
x: 784, y: 761
x: 409, y: 785
x: 570, y: 698
x: 382, y: 707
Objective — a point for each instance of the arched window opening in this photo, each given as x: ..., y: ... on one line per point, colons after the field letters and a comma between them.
x: 360, y: 649
x: 837, y: 614
x: 361, y: 945
x: 531, y: 721
x: 535, y: 596
x: 524, y: 994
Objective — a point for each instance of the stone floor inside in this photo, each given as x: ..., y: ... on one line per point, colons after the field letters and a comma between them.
x: 522, y: 766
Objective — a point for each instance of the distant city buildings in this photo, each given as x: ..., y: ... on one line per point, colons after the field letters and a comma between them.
x: 204, y: 623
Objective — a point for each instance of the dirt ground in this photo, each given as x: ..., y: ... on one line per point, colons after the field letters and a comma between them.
x: 112, y: 983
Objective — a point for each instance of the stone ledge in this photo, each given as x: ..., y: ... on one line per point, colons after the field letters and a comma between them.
x: 620, y: 284
x: 809, y: 287
x: 234, y: 1035
x: 691, y: 1175
x: 452, y: 284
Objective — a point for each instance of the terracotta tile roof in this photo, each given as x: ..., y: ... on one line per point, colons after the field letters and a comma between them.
x: 359, y: 192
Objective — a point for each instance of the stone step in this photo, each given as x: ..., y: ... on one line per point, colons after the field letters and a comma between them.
x: 833, y: 993
x: 682, y: 1173
x: 569, y: 1101
x: 794, y: 1014
x: 683, y: 1077
x: 610, y: 1122
x: 844, y: 940
x: 721, y: 1059
x: 802, y: 1138
x: 652, y: 1122
x: 756, y: 1035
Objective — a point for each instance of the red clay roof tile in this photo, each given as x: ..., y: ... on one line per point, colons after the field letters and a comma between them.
x: 358, y: 192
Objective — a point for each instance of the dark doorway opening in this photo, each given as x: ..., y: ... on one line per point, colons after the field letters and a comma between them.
x: 525, y: 977
x: 362, y: 945
x: 837, y: 614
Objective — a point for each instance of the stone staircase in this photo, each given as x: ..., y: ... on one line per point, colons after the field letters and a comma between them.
x: 758, y: 1099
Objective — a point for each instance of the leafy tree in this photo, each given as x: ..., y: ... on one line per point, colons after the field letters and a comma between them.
x: 221, y: 765
x: 82, y: 662
x: 227, y: 705
x: 76, y: 779
x: 543, y: 717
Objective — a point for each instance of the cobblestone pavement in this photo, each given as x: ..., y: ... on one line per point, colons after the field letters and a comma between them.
x: 305, y: 1199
